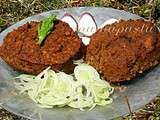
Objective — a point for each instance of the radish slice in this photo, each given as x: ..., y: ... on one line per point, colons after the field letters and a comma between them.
x: 86, y: 40
x: 68, y: 18
x: 87, y: 24
x: 108, y: 22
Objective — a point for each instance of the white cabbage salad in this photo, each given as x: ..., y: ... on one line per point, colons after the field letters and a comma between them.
x: 82, y: 90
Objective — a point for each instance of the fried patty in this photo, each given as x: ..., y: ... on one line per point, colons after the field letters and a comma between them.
x: 20, y: 48
x: 122, y: 50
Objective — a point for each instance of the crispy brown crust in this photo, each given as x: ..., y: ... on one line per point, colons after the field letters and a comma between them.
x: 120, y: 56
x: 21, y: 50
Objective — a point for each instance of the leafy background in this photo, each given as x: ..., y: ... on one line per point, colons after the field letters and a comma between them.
x: 12, y: 11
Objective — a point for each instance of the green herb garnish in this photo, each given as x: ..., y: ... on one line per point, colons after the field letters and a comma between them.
x: 45, y: 28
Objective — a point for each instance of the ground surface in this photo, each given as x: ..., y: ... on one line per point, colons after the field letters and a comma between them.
x: 12, y: 11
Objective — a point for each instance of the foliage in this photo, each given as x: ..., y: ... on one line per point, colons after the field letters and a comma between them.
x: 2, y: 22
x: 145, y: 10
x: 156, y: 114
x: 15, y: 10
x: 98, y: 2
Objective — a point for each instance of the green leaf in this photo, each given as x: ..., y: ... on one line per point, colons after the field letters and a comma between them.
x: 98, y: 2
x: 44, y: 28
x: 2, y: 22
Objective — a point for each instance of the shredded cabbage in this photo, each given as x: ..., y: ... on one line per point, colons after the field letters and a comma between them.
x: 83, y: 90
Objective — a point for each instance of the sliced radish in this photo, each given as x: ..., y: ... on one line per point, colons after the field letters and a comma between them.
x: 108, y: 22
x: 68, y: 18
x: 87, y: 24
x: 86, y: 40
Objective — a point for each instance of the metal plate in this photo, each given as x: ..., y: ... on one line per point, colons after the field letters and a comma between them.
x: 140, y: 91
